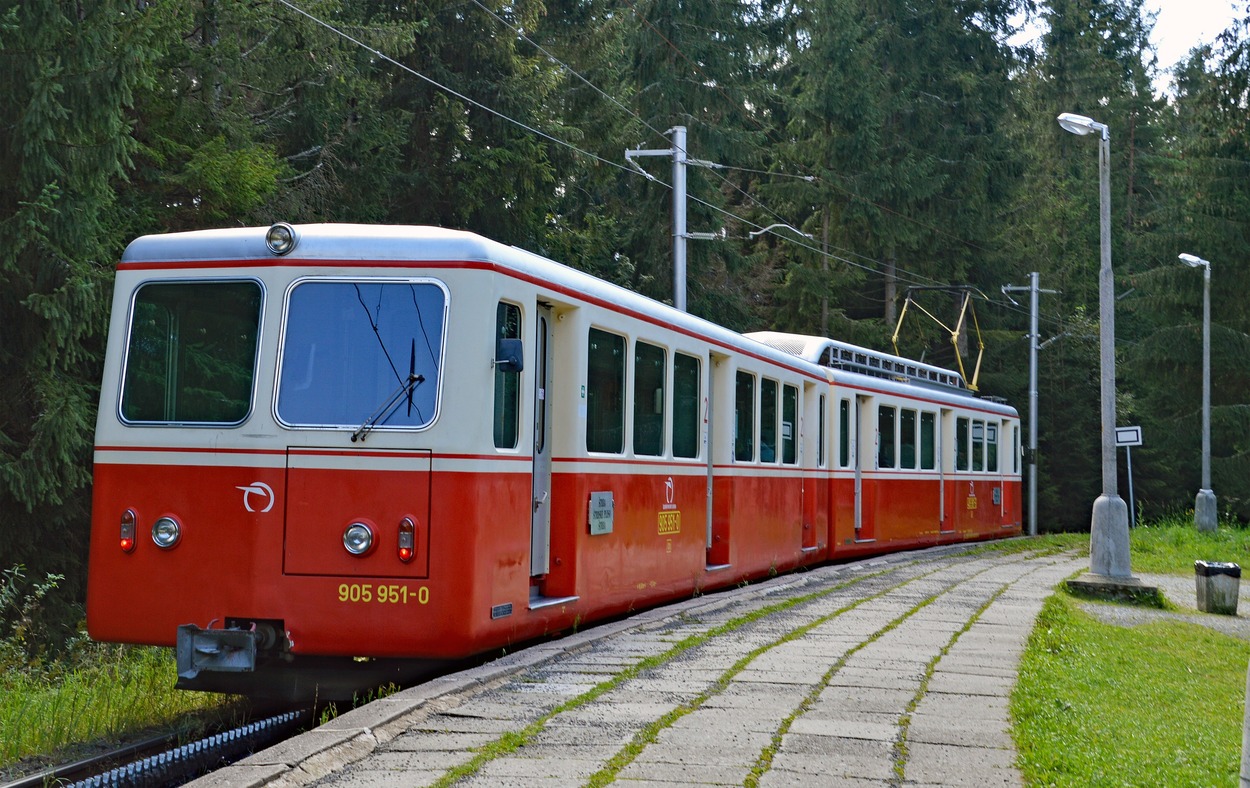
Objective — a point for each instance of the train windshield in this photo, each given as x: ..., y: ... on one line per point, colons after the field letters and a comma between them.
x: 362, y: 354
x: 191, y: 353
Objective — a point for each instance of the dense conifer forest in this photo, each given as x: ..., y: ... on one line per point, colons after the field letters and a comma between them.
x: 909, y: 145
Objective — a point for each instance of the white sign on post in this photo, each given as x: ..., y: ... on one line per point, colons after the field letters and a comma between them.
x: 1128, y: 436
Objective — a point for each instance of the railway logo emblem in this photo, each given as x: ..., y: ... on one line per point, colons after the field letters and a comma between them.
x: 257, y: 488
x: 668, y: 490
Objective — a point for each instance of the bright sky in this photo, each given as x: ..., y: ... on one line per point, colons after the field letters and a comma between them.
x: 1180, y: 26
x: 1183, y: 24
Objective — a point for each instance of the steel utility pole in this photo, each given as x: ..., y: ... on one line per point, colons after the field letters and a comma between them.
x: 1030, y: 457
x: 680, y: 160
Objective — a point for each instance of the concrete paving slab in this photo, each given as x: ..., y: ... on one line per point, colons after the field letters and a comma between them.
x: 845, y: 729
x: 434, y: 742
x: 683, y: 773
x: 968, y: 684
x: 942, y: 729
x: 941, y: 764
x: 833, y: 758
x: 573, y: 770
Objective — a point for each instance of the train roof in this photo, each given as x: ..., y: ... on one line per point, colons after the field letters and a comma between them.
x: 330, y: 244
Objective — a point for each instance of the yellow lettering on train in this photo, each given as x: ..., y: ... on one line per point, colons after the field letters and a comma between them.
x: 972, y: 502
x: 383, y: 594
x: 669, y: 523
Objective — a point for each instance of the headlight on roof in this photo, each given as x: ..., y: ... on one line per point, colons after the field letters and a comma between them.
x: 281, y: 238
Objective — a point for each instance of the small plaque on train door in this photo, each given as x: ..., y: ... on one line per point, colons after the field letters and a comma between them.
x: 602, y: 511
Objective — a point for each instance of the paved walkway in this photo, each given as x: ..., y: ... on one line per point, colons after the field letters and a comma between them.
x: 893, y: 671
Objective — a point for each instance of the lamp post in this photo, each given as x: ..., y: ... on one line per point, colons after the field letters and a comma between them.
x: 1205, y: 514
x: 1108, y: 544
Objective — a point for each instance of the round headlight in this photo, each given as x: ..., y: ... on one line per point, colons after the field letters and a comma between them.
x: 281, y: 238
x: 166, y: 532
x: 358, y: 538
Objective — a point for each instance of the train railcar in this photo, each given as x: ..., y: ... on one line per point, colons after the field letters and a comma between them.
x: 325, y: 453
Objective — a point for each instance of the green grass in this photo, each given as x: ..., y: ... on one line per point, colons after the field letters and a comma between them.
x: 108, y: 695
x: 1171, y: 546
x: 1155, y: 704
x: 1158, y: 704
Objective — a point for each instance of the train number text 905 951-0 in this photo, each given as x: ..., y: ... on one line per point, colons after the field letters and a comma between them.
x: 383, y: 594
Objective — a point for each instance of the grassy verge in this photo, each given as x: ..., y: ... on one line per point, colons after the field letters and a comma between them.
x: 106, y: 695
x: 1155, y: 704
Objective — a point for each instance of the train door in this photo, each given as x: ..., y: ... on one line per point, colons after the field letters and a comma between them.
x: 864, y: 453
x: 947, y: 465
x: 540, y: 525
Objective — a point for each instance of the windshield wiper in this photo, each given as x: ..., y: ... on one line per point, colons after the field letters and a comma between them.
x: 391, y: 404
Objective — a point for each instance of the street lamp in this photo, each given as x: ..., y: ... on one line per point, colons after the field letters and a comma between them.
x: 1108, y: 544
x: 1205, y: 515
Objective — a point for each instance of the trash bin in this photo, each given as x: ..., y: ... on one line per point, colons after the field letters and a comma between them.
x: 1219, y: 585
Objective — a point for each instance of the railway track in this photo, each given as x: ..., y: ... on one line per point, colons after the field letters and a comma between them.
x: 160, y: 761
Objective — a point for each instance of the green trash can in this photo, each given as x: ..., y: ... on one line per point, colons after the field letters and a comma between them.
x: 1219, y: 585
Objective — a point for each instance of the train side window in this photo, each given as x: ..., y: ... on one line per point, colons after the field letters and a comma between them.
x: 961, y: 444
x: 507, y: 384
x: 885, y: 436
x: 907, y: 438
x: 191, y: 353
x: 844, y: 433
x: 605, y: 392
x: 744, y: 417
x: 991, y: 447
x: 1015, y: 448
x: 789, y: 425
x: 978, y: 445
x: 650, y: 363
x: 928, y: 429
x: 768, y: 420
x: 686, y: 394
x: 364, y: 353
x: 820, y: 443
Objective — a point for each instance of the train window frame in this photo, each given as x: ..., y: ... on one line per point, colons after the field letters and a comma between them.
x: 507, y: 383
x: 745, y: 404
x: 789, y: 424
x: 262, y: 298
x: 963, y: 436
x: 375, y: 417
x: 907, y: 442
x: 928, y: 440
x: 686, y: 409
x: 978, y: 445
x: 992, y: 429
x: 844, y: 432
x: 1016, y: 453
x: 601, y: 438
x: 769, y: 413
x: 822, y: 454
x: 887, y: 437
x: 644, y: 404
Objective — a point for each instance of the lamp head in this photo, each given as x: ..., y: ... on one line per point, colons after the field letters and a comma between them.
x: 1080, y: 124
x: 1193, y: 260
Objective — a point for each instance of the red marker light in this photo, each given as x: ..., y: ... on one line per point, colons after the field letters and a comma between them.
x: 407, y: 540
x: 127, y: 541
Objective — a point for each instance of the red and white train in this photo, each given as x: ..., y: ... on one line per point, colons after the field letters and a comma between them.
x: 323, y: 443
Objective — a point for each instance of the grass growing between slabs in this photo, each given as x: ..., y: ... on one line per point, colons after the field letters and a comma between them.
x: 1161, y: 703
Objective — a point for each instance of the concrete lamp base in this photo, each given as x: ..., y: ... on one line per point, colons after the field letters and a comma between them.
x: 1205, y: 512
x: 1116, y: 589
